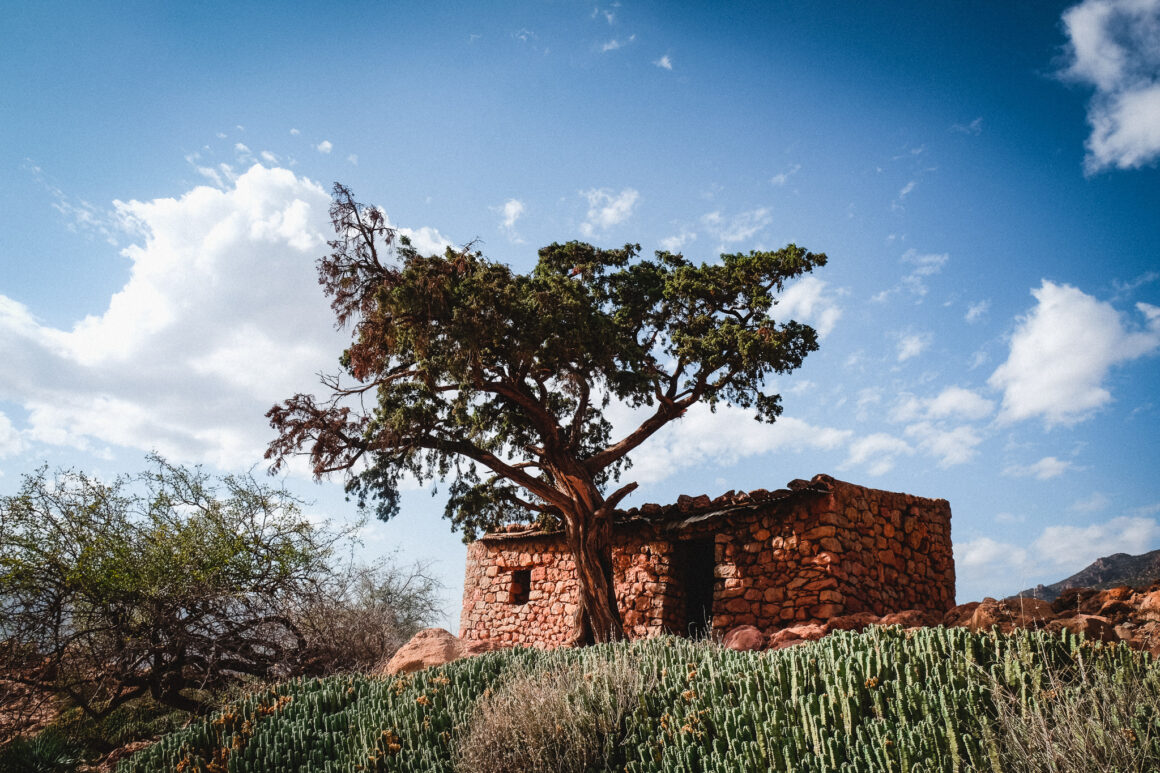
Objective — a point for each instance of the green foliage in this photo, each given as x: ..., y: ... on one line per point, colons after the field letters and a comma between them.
x: 171, y: 584
x: 48, y: 752
x: 475, y: 368
x: 884, y: 700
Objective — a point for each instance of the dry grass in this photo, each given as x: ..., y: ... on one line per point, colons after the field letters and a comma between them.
x: 568, y: 720
x: 1081, y: 721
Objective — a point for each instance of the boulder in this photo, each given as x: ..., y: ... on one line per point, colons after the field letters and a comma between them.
x: 1093, y: 627
x: 855, y: 621
x: 988, y: 615
x: 431, y: 647
x: 1117, y: 611
x: 958, y: 616
x: 1028, y: 612
x: 804, y: 632
x: 912, y: 618
x: 1093, y: 603
x: 1148, y: 605
x: 744, y: 638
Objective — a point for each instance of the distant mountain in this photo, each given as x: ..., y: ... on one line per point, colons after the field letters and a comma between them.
x: 1107, y: 572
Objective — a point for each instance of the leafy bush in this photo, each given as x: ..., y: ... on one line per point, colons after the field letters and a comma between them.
x: 170, y: 587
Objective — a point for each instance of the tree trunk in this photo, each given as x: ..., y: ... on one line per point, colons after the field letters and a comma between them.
x: 589, y: 538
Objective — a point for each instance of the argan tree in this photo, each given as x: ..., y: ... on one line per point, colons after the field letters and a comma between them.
x: 463, y: 370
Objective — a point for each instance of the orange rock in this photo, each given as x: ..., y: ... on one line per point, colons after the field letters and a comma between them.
x: 1092, y: 627
x: 431, y: 647
x: 744, y: 638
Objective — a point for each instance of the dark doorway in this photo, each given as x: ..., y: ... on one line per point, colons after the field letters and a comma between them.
x: 694, y: 568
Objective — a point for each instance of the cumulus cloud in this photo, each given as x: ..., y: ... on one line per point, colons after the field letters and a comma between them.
x: 878, y: 453
x: 1078, y: 546
x: 511, y: 210
x: 954, y: 402
x: 1113, y: 47
x: 665, y: 62
x: 739, y: 227
x: 1062, y: 351
x: 986, y: 552
x: 675, y: 243
x: 956, y: 445
x: 697, y: 439
x: 606, y: 208
x: 220, y: 318
x: 325, y: 146
x: 912, y: 344
x: 10, y: 441
x: 808, y: 300
x: 1045, y: 469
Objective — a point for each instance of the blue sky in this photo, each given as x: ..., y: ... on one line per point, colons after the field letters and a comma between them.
x: 983, y: 178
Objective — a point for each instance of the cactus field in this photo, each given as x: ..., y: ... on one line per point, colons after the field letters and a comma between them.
x: 883, y: 700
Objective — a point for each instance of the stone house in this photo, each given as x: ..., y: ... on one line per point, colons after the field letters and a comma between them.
x: 814, y: 550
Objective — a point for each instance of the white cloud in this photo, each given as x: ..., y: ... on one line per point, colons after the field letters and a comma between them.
x: 1045, y: 469
x: 1077, y: 546
x: 951, y: 446
x: 675, y: 243
x: 10, y: 441
x: 606, y: 209
x: 977, y: 311
x: 974, y: 127
x: 781, y: 178
x: 808, y: 300
x: 925, y: 265
x: 739, y: 227
x: 614, y: 44
x: 325, y: 146
x: 702, y: 438
x: 878, y: 452
x: 1113, y: 47
x: 295, y: 132
x: 912, y: 344
x: 1061, y: 353
x: 907, y: 189
x: 353, y: 159
x: 241, y: 149
x: 427, y: 240
x: 986, y: 552
x: 665, y: 62
x: 961, y: 403
x: 953, y: 402
x: 220, y: 318
x: 512, y: 210
x: 269, y: 157
x: 1092, y: 504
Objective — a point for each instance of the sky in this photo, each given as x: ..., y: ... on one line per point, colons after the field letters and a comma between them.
x: 983, y: 177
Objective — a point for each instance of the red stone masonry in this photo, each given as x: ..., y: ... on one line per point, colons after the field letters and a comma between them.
x: 819, y: 549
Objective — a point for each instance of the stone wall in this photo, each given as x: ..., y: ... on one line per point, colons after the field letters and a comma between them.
x: 819, y: 549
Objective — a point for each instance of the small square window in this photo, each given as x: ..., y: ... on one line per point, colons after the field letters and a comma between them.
x: 521, y: 585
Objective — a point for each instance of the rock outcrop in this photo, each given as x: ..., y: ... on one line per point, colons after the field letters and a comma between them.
x: 431, y: 647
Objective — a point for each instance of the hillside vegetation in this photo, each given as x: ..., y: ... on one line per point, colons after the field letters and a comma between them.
x: 887, y: 699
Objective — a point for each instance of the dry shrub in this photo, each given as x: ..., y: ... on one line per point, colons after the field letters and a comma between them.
x: 558, y: 719
x: 1079, y: 720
